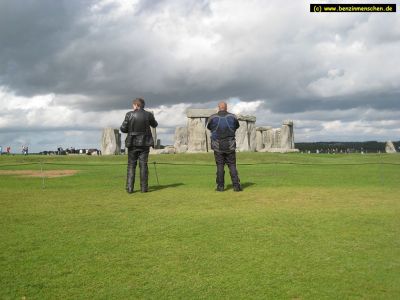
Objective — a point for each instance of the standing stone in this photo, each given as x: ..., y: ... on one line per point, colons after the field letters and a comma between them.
x: 286, y: 136
x: 153, y: 132
x: 246, y: 133
x: 251, y: 128
x: 276, y: 138
x: 110, y: 141
x: 197, y: 137
x: 242, y: 137
x: 268, y: 137
x: 181, y: 139
x: 390, y: 148
x: 261, y: 137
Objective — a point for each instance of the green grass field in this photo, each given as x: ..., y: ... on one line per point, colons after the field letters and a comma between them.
x: 305, y: 227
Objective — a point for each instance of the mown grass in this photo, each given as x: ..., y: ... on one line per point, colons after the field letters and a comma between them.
x: 305, y: 227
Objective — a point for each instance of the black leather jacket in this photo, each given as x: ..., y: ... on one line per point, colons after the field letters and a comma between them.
x: 137, y: 126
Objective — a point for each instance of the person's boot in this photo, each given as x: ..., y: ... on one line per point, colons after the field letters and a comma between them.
x: 237, y: 188
x: 220, y: 188
x: 235, y: 178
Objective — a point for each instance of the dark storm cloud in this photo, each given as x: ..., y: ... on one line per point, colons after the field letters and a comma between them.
x: 186, y: 51
x: 78, y: 60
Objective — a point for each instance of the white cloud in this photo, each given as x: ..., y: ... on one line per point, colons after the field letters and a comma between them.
x: 78, y: 71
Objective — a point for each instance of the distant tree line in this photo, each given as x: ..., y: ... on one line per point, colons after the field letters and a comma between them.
x: 345, y: 147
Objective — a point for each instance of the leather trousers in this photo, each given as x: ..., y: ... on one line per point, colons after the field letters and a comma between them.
x: 222, y: 158
x: 135, y: 155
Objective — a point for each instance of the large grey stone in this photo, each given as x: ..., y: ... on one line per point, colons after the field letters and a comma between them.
x: 287, y: 139
x: 166, y: 150
x: 263, y: 128
x: 246, y: 118
x: 263, y: 137
x: 110, y: 141
x: 268, y: 138
x: 181, y: 139
x: 154, y: 134
x: 390, y: 148
x: 251, y: 129
x: 197, y: 136
x: 276, y: 138
x: 259, y: 140
x: 242, y: 137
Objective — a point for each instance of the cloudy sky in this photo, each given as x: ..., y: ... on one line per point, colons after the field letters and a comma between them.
x: 69, y: 68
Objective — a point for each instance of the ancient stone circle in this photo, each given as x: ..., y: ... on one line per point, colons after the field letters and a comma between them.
x: 195, y: 137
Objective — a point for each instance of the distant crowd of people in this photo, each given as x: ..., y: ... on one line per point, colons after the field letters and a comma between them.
x: 8, y: 150
x: 59, y: 151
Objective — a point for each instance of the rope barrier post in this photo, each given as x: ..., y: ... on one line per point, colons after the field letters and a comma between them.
x: 41, y: 172
x: 155, y: 170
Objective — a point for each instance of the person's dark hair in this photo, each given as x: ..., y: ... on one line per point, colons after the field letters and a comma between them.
x: 139, y: 102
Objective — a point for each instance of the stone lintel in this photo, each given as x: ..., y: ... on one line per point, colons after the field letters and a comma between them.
x: 263, y: 128
x: 246, y: 118
x: 206, y: 112
x: 288, y: 122
x: 200, y: 112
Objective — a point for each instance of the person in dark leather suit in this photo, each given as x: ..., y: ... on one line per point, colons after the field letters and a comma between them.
x: 138, y: 142
x: 223, y: 126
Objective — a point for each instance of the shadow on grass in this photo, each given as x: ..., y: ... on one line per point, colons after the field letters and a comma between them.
x: 244, y: 185
x: 165, y: 186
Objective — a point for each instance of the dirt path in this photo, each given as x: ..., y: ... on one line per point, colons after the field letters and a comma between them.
x: 38, y: 173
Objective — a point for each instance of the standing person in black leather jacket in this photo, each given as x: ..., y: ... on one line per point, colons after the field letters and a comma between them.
x: 223, y: 126
x: 138, y: 142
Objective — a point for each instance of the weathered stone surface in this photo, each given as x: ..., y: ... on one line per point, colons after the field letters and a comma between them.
x: 287, y: 140
x: 200, y: 113
x: 263, y: 128
x: 197, y: 136
x: 166, y: 150
x: 275, y: 138
x: 268, y: 138
x: 181, y: 139
x: 259, y: 140
x: 390, y: 148
x: 242, y: 137
x: 248, y: 136
x: 251, y: 129
x: 288, y: 122
x: 246, y: 118
x: 154, y: 134
x: 110, y: 141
